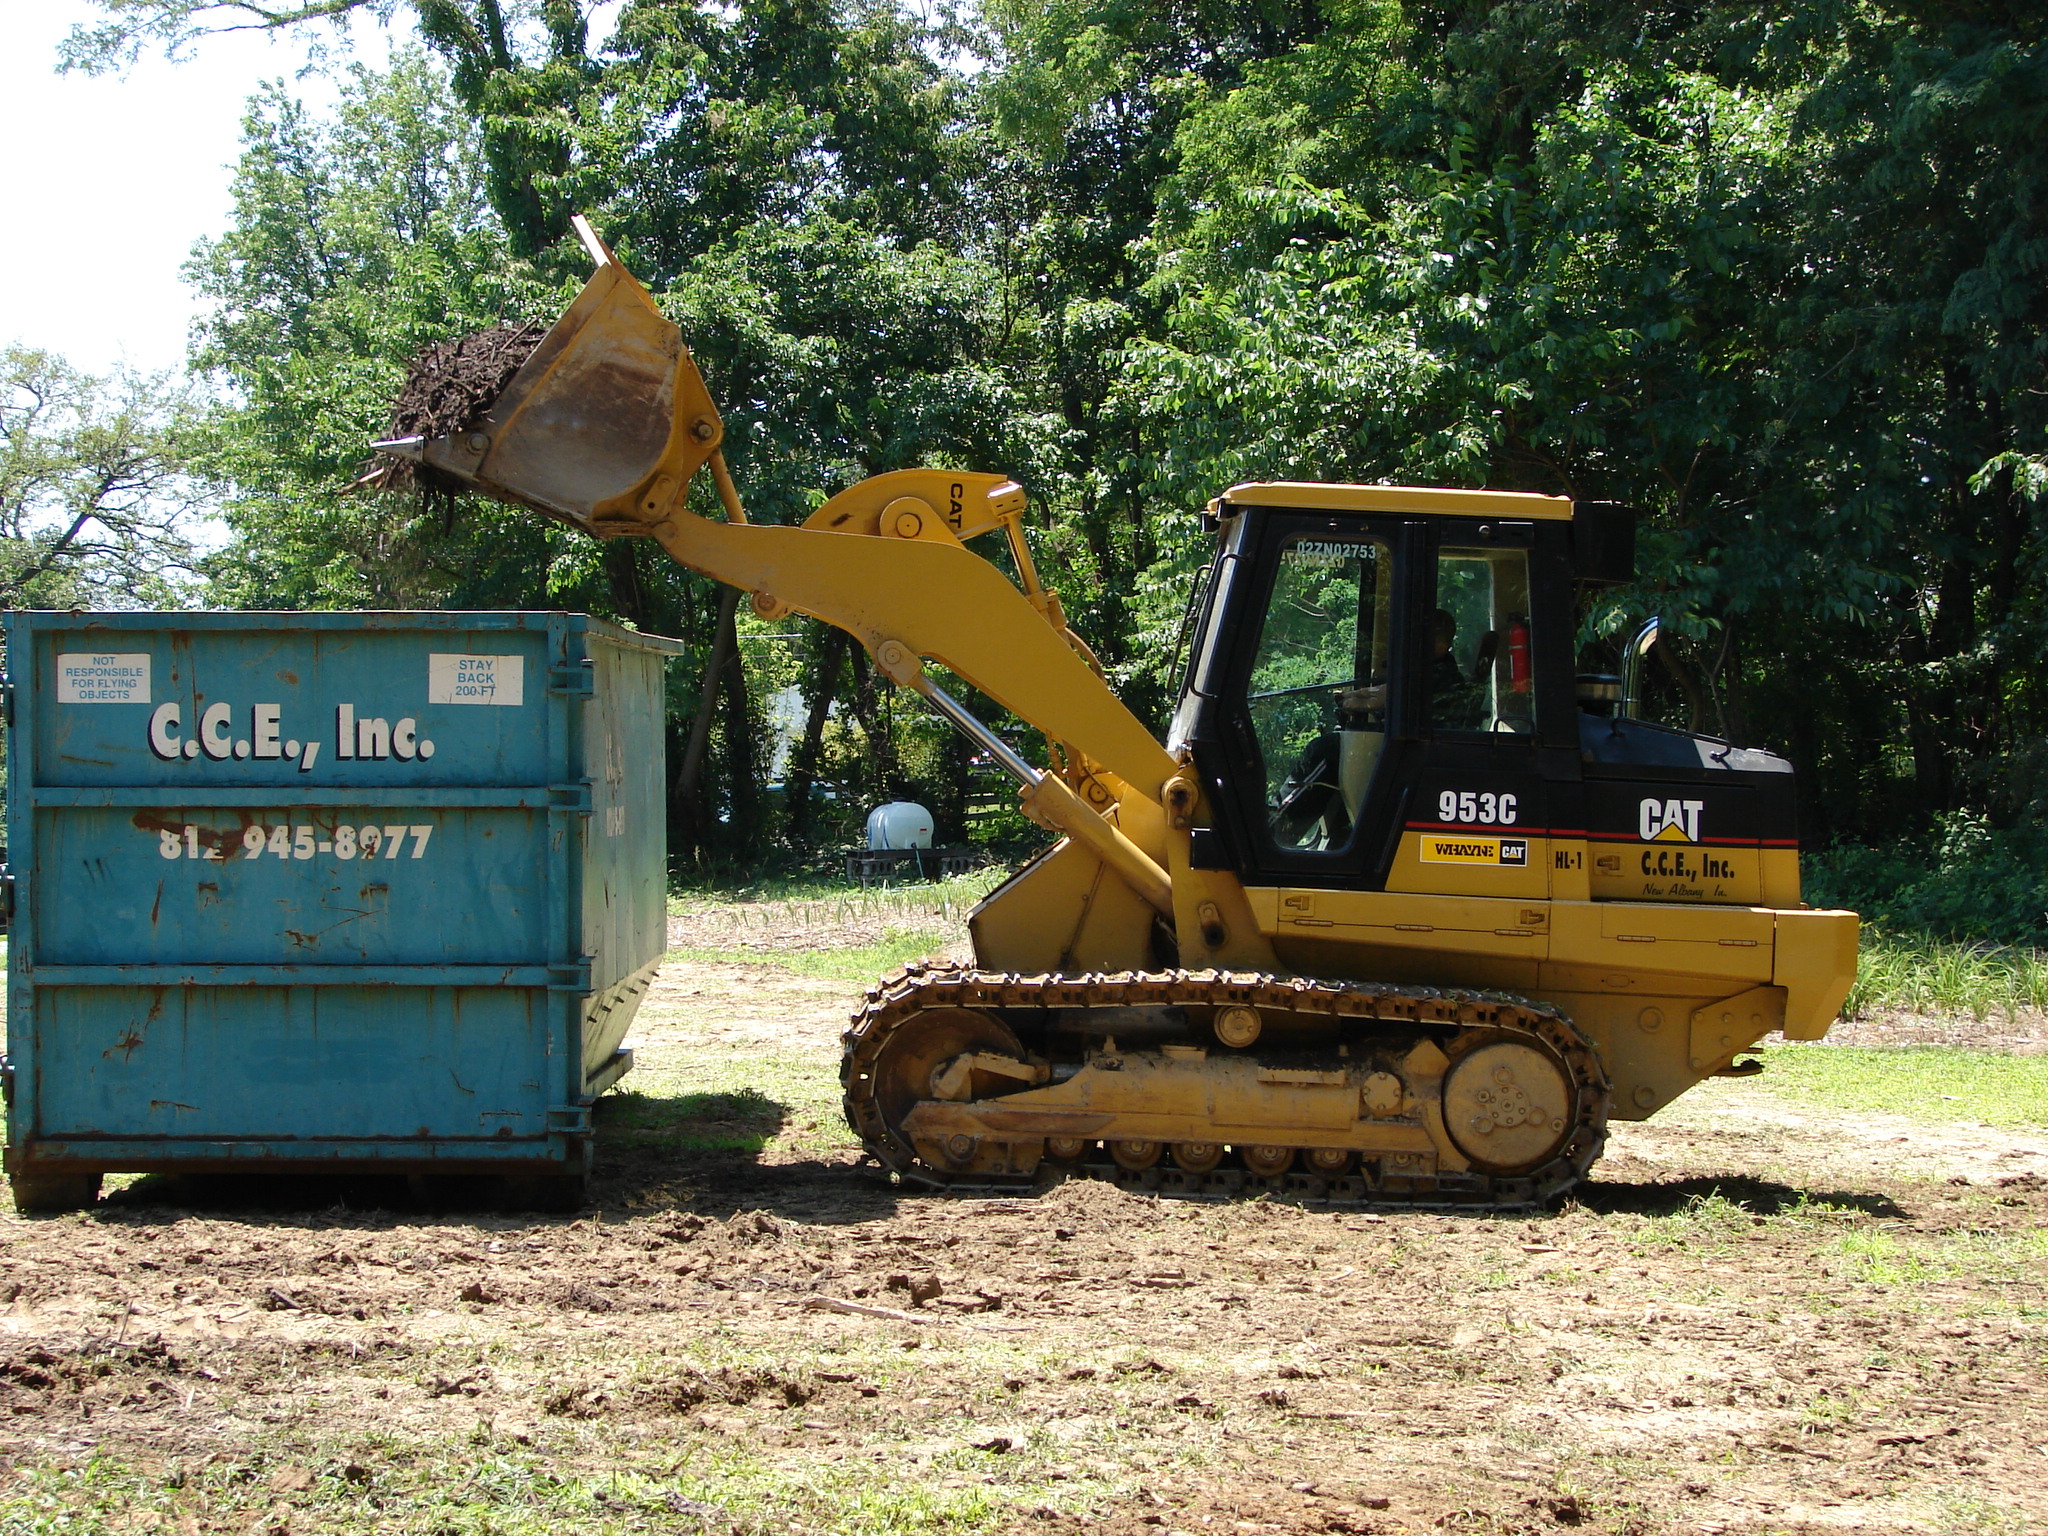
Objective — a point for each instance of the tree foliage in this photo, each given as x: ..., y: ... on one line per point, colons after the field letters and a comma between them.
x: 1774, y: 276
x: 354, y: 243
x: 97, y: 502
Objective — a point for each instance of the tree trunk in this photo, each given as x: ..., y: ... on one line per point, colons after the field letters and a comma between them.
x: 1734, y: 686
x: 687, y: 790
x: 803, y: 762
x: 1680, y: 671
x: 741, y: 762
x: 1944, y: 678
x: 628, y: 585
x: 870, y: 709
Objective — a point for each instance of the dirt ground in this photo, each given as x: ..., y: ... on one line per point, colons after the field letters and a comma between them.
x: 1760, y: 1316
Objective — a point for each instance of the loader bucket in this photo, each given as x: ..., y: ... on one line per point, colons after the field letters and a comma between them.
x: 603, y: 425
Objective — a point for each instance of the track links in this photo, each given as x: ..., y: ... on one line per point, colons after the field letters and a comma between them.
x: 898, y: 1000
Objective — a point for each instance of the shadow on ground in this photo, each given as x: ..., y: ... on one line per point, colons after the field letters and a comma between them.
x: 1759, y: 1197
x: 743, y: 1120
x: 696, y: 1152
x: 701, y: 1153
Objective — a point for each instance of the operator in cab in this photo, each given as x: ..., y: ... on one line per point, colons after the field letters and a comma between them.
x: 1456, y: 702
x: 1311, y: 797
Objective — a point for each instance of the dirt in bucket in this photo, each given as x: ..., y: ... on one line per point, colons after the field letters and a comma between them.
x: 448, y: 385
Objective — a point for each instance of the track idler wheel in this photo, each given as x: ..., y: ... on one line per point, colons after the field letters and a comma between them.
x: 1508, y: 1105
x: 913, y: 1063
x: 1197, y: 1156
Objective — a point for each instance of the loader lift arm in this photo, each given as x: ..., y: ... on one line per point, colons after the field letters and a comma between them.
x: 573, y: 436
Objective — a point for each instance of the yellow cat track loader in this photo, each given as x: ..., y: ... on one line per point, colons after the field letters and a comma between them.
x: 1402, y: 911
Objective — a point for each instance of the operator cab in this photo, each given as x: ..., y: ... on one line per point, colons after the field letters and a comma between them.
x: 1381, y: 696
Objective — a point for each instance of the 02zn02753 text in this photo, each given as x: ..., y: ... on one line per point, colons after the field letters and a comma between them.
x: 344, y: 841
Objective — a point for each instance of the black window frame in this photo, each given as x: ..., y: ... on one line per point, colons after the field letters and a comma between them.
x: 1363, y: 857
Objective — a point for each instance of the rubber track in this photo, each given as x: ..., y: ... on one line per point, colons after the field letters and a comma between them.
x: 900, y: 998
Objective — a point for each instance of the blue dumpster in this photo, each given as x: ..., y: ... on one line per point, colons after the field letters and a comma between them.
x: 325, y: 891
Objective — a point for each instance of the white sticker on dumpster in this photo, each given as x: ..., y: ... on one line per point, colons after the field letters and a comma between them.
x: 103, y: 677
x: 455, y: 679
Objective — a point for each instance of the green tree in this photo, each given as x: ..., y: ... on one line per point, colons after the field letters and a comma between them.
x: 354, y: 244
x: 1084, y: 105
x: 1772, y: 277
x: 795, y: 180
x: 357, y: 241
x: 98, y: 502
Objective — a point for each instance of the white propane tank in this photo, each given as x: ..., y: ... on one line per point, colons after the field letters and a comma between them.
x: 899, y: 824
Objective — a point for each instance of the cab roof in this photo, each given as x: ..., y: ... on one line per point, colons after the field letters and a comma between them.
x: 1435, y: 501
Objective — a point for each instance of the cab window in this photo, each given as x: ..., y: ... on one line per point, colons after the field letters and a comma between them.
x: 1479, y: 675
x: 1318, y: 692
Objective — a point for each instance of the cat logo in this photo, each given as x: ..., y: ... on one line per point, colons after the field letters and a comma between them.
x: 1669, y: 821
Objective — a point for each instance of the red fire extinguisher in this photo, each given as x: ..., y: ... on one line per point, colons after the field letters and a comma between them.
x: 1518, y: 654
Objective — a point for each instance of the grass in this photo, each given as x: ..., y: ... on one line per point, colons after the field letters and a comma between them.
x: 1703, y: 1223
x: 718, y: 1100
x: 597, y: 1467
x: 801, y: 887
x: 444, y: 1487
x: 820, y: 903
x: 1711, y: 1223
x: 1708, y: 1222
x: 1987, y: 1517
x: 1881, y: 1258
x: 770, y: 926
x: 1932, y: 976
x: 863, y: 964
x: 1921, y: 1082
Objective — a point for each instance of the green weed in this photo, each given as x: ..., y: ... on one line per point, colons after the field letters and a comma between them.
x: 1880, y: 1258
x: 1931, y: 976
x: 1827, y: 1412
x: 1877, y: 1258
x: 1704, y: 1219
x: 1808, y: 1210
x: 598, y: 1475
x: 863, y: 963
x: 455, y: 1490
x: 828, y: 903
x: 1924, y: 1082
x: 1968, y: 881
x: 1987, y: 1517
